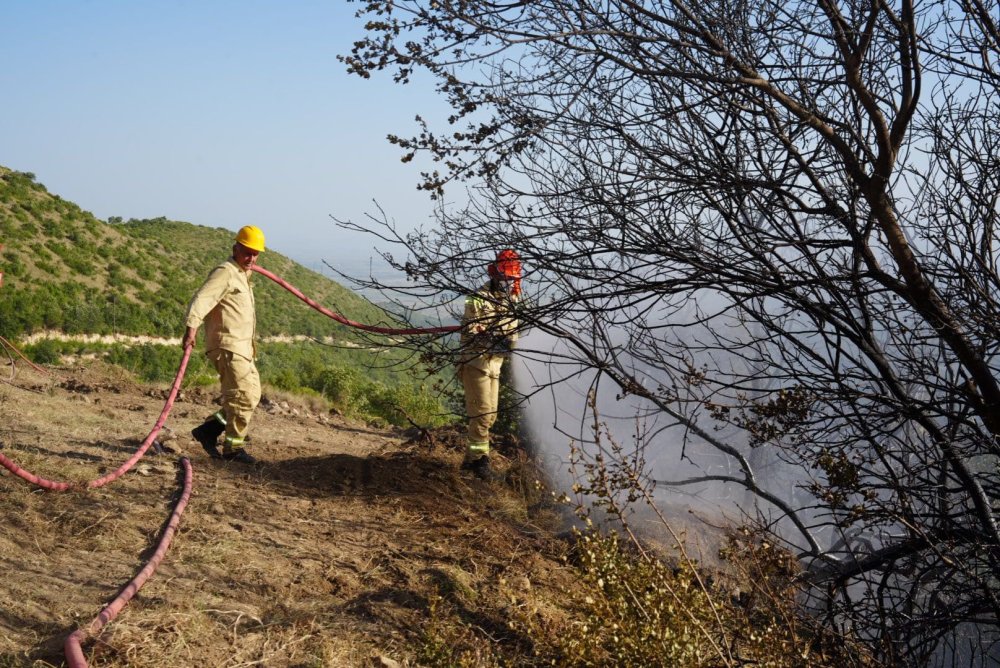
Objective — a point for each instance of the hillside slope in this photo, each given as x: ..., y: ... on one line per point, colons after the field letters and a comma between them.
x: 349, y: 544
x: 72, y: 272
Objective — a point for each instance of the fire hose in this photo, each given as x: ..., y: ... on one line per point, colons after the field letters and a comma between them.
x: 11, y: 466
x: 100, y: 482
x: 121, y: 470
x: 10, y: 346
x: 350, y: 323
x: 72, y: 646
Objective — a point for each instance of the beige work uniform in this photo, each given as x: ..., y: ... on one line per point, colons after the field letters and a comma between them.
x: 225, y: 303
x: 487, y: 316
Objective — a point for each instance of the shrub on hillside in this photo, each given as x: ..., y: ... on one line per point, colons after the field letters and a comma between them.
x: 402, y: 404
x: 44, y: 352
x: 636, y: 605
x: 303, y: 369
x: 339, y: 385
x: 405, y: 405
x: 155, y: 362
x: 634, y: 609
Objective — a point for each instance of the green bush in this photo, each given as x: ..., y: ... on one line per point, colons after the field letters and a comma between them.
x: 12, y: 264
x: 158, y: 363
x: 47, y: 267
x: 46, y: 351
x: 401, y: 404
x: 341, y: 376
x: 636, y: 611
x: 339, y: 385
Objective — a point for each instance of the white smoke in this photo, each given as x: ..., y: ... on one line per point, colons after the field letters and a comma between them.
x: 559, y: 415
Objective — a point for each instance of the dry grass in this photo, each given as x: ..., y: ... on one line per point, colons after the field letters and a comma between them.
x: 350, y: 543
x: 333, y: 553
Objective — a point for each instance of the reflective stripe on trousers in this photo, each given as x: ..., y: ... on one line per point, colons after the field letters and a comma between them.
x: 240, y: 394
x: 482, y: 393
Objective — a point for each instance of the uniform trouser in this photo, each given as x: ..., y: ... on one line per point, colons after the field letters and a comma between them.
x: 482, y: 395
x: 240, y: 394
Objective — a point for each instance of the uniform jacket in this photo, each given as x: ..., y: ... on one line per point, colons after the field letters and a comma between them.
x: 488, y: 317
x: 225, y: 303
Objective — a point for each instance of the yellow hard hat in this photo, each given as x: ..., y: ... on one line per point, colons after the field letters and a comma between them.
x: 251, y: 237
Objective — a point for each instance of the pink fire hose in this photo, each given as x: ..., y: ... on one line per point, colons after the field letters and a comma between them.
x: 72, y: 646
x: 341, y: 319
x: 54, y: 485
x: 121, y: 470
x: 10, y: 346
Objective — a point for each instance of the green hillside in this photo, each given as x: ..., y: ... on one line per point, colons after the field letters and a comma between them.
x: 68, y: 271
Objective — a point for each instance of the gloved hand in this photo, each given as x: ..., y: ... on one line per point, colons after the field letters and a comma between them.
x: 501, y: 345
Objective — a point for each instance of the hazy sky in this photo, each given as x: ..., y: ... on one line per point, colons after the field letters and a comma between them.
x: 219, y: 113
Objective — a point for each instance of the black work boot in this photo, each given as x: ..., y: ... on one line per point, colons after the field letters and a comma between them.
x: 208, y: 434
x: 481, y: 469
x: 241, y: 456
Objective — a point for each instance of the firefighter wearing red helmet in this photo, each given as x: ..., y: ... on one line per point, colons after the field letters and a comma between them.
x: 488, y: 334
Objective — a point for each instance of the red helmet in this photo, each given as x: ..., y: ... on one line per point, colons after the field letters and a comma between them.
x: 507, y: 265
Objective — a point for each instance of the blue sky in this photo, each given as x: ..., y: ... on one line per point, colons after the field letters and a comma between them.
x: 219, y: 113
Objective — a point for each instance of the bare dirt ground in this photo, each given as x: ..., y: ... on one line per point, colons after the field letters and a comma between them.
x: 347, y: 548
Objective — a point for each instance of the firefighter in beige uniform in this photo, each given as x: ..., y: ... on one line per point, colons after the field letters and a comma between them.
x: 488, y: 334
x: 225, y: 303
